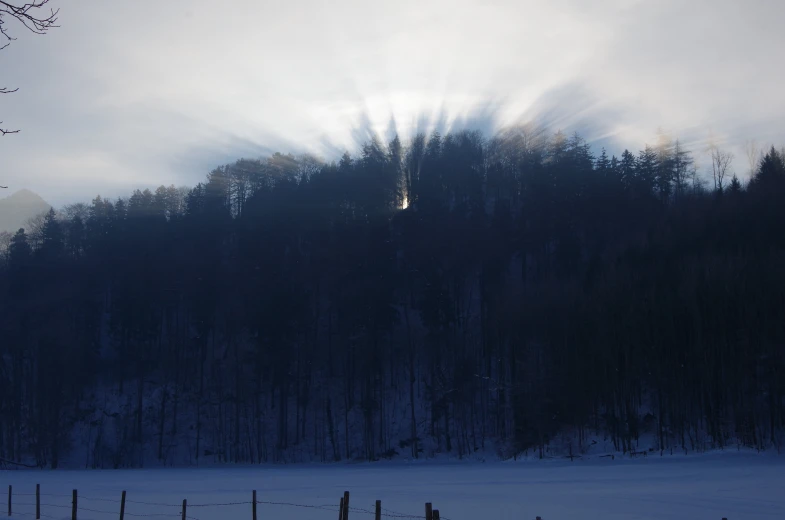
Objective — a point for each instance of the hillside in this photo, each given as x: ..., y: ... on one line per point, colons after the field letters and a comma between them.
x: 437, y: 298
x: 18, y: 208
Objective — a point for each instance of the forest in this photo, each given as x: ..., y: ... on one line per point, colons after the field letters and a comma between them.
x: 455, y: 295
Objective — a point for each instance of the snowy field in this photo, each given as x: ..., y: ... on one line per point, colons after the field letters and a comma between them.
x: 704, y: 487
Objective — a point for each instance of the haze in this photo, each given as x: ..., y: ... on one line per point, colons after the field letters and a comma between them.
x: 136, y: 94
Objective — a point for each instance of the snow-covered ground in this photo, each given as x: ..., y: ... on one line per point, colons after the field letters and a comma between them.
x: 737, y: 486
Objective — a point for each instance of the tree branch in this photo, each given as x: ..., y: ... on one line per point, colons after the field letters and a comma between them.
x: 26, y: 14
x: 4, y: 132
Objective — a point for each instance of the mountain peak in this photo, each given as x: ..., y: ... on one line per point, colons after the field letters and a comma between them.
x: 19, y: 207
x: 24, y: 193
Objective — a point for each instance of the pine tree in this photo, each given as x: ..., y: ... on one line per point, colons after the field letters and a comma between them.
x: 627, y: 168
x: 19, y: 251
x: 735, y: 186
x: 682, y: 161
x: 603, y: 165
x: 52, y: 238
x: 770, y: 177
x: 396, y: 158
x: 666, y: 166
x: 646, y: 171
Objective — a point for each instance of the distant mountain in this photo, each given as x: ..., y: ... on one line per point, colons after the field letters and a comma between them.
x: 18, y: 208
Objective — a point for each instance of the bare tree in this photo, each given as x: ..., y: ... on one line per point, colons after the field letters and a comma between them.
x: 720, y: 163
x: 35, y: 229
x: 5, y: 241
x: 754, y: 155
x: 697, y: 183
x: 78, y: 210
x: 34, y: 16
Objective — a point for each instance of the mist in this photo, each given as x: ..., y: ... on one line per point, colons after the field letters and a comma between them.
x: 145, y: 97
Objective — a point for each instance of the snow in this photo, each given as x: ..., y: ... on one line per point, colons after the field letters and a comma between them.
x: 743, y: 486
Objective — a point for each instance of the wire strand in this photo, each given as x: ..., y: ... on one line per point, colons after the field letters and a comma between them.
x: 385, y: 513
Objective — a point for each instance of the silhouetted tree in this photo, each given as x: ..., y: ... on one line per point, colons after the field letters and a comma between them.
x: 720, y: 163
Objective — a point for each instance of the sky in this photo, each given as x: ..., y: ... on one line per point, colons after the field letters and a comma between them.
x: 127, y: 95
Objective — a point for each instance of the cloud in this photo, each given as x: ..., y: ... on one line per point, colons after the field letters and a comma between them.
x: 144, y: 93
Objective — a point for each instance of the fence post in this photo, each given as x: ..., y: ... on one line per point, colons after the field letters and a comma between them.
x: 185, y: 504
x: 340, y: 510
x: 73, y: 507
x: 9, y: 499
x: 345, y: 505
x: 122, y: 505
x: 378, y: 510
x: 38, y: 502
x: 435, y: 514
x: 253, y: 507
x: 428, y: 511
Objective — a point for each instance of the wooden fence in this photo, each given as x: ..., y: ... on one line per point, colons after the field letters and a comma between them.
x: 343, y: 508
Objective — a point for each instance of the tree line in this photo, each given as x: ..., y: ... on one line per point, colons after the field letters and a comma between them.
x: 457, y: 294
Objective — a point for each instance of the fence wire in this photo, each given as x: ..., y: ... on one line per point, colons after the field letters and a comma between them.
x: 385, y: 513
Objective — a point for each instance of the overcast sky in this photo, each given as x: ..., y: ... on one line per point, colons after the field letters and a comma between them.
x: 146, y: 92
